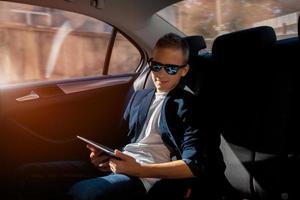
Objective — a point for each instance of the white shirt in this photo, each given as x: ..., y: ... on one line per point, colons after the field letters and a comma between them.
x: 149, y: 147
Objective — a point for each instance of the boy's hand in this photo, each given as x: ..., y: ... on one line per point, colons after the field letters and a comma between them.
x: 124, y: 165
x: 99, y: 159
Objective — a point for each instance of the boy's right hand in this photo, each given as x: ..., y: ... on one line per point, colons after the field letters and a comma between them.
x: 99, y: 159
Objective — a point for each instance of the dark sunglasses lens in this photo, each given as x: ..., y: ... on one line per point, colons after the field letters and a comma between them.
x: 155, y: 67
x: 172, y: 70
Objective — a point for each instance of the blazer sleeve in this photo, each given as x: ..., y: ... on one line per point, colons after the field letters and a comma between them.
x: 199, y: 146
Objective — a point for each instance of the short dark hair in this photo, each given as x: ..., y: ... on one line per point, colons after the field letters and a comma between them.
x: 172, y: 40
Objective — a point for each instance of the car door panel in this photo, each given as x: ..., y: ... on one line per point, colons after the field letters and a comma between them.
x: 44, y: 128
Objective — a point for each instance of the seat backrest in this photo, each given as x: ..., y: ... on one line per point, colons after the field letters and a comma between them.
x: 241, y: 81
x: 284, y: 56
x: 243, y: 89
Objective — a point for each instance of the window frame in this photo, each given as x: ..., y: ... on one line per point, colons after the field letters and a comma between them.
x: 142, y: 53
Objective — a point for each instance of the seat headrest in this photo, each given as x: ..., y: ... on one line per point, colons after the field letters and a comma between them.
x: 244, y: 42
x: 193, y: 80
x: 196, y: 43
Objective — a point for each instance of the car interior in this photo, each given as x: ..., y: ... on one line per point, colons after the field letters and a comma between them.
x: 248, y: 80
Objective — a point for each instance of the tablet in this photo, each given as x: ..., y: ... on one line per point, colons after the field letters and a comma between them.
x: 106, y: 149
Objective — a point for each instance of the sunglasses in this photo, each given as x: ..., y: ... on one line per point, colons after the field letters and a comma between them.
x: 169, y: 68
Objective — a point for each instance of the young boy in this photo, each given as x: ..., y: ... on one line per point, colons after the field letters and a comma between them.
x: 166, y: 138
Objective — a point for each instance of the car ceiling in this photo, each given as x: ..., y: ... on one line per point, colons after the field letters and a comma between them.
x: 133, y: 17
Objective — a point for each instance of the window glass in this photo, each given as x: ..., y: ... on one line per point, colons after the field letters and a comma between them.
x: 125, y: 56
x: 211, y: 18
x: 38, y: 43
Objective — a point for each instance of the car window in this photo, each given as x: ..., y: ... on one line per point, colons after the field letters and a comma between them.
x: 125, y: 56
x: 38, y: 43
x: 212, y: 18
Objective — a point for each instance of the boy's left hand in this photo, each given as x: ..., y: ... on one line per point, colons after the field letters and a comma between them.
x: 126, y: 165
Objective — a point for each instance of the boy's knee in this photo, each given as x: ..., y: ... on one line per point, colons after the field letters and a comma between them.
x: 83, y: 191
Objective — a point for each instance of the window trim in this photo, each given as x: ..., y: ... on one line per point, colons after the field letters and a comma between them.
x: 109, y: 51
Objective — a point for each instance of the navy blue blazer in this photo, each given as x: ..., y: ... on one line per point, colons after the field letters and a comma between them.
x: 184, y: 129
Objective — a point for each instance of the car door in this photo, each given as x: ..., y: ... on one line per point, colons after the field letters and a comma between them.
x: 62, y: 74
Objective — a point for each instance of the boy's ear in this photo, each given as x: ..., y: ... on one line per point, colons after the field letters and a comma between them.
x: 185, y: 70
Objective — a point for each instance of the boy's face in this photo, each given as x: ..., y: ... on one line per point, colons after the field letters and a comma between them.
x: 163, y: 81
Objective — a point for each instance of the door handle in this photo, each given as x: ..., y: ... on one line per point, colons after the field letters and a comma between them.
x: 31, y: 96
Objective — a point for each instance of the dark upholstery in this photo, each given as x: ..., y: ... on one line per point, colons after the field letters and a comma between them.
x: 199, y: 62
x: 284, y: 56
x: 250, y: 84
x: 239, y: 84
x: 279, y: 119
x: 242, y: 80
x: 256, y: 85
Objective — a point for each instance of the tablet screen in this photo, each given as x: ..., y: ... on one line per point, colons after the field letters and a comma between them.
x: 97, y: 145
